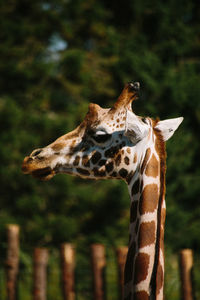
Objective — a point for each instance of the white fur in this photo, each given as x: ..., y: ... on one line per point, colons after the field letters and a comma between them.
x: 136, y: 130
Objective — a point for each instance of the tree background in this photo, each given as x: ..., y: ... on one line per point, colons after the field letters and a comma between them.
x: 56, y: 57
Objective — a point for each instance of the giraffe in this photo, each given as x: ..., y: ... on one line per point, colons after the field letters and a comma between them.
x: 116, y: 143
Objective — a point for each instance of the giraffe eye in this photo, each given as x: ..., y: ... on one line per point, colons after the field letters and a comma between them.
x: 101, y: 137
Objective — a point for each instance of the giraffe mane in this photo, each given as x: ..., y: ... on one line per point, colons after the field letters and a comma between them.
x: 160, y: 146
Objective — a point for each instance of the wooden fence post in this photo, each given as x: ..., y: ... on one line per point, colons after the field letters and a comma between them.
x: 67, y: 268
x: 12, y: 261
x: 121, y: 260
x: 186, y: 265
x: 98, y: 268
x: 40, y: 260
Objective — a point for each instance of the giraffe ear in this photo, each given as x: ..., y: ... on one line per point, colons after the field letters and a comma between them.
x: 168, y: 127
x: 135, y: 129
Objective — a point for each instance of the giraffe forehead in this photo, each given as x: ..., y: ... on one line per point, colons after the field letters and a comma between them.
x: 110, y: 122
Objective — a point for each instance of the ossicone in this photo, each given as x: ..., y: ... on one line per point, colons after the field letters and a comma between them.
x: 128, y: 95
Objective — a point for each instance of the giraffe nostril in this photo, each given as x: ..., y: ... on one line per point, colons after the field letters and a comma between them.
x: 36, y: 152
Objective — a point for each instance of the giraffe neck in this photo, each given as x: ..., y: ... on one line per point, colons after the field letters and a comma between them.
x: 144, y: 270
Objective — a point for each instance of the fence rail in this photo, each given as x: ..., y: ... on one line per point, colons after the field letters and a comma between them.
x: 68, y: 270
x: 186, y: 273
x: 68, y: 258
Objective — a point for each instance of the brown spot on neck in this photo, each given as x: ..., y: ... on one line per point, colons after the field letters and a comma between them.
x: 141, y: 295
x: 147, y: 234
x: 146, y: 158
x: 141, y: 267
x: 149, y: 199
x: 152, y: 168
x: 159, y: 278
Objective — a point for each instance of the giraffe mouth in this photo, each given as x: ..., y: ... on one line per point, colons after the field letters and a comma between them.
x: 41, y: 172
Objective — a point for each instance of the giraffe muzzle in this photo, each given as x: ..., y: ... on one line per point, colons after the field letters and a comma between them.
x: 38, y: 171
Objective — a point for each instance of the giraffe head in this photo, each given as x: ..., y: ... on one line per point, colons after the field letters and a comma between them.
x: 108, y: 143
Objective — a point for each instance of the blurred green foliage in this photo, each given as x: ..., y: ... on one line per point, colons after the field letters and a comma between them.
x: 56, y: 56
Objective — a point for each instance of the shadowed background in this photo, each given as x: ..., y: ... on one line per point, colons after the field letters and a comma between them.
x: 55, y: 58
